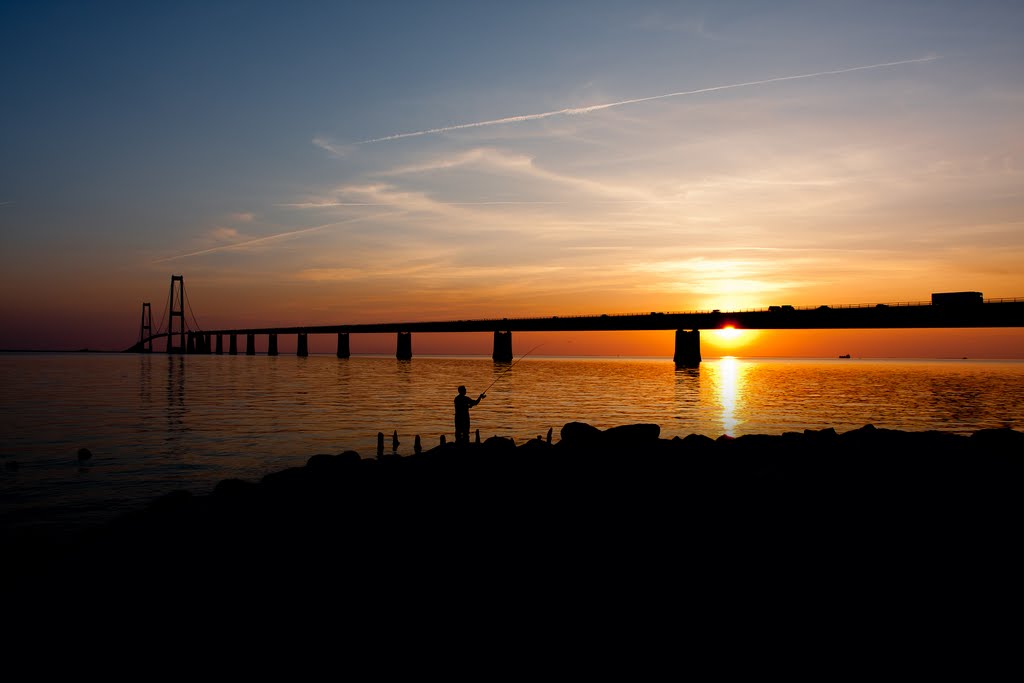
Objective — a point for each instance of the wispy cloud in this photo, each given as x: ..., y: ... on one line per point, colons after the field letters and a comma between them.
x: 223, y: 234
x: 235, y: 246
x: 524, y: 166
x: 331, y: 147
x: 572, y: 111
x: 327, y: 204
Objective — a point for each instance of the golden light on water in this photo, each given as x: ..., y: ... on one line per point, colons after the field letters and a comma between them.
x: 730, y: 386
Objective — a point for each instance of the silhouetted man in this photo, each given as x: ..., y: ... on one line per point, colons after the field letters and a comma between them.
x: 462, y: 405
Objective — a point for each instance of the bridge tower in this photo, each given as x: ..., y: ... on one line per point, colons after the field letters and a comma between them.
x: 177, y: 311
x: 146, y: 329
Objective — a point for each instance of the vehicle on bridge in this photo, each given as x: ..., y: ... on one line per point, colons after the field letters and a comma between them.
x: 956, y: 298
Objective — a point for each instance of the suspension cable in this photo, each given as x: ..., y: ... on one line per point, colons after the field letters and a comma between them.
x: 160, y: 329
x: 189, y: 304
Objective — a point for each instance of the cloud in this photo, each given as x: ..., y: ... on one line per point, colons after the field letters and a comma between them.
x: 224, y: 234
x: 523, y: 165
x: 331, y: 147
x: 573, y: 111
x: 245, y: 244
x: 325, y: 204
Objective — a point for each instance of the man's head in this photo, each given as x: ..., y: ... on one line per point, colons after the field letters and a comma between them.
x: 462, y: 391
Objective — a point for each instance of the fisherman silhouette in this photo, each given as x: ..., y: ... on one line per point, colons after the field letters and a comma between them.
x: 462, y: 405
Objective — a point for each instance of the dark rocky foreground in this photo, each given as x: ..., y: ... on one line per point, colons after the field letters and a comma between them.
x: 599, y: 520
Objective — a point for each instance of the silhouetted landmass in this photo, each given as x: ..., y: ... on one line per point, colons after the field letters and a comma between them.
x: 620, y: 512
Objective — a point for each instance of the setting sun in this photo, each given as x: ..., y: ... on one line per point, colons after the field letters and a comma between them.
x: 729, y: 337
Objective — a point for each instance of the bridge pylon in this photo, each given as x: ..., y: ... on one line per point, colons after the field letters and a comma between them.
x: 176, y: 307
x: 146, y: 329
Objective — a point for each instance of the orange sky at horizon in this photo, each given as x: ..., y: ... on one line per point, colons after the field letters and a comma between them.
x: 635, y: 157
x: 116, y: 330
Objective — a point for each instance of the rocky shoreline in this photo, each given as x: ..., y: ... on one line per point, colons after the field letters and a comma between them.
x: 593, y: 499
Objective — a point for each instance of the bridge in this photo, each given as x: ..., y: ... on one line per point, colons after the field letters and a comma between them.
x: 944, y: 310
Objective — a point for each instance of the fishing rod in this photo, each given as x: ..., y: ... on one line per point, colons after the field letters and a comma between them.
x: 510, y: 367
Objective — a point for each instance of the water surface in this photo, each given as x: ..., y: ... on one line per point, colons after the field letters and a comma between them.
x: 156, y: 423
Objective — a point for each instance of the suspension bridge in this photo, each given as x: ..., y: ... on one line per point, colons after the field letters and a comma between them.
x: 945, y: 310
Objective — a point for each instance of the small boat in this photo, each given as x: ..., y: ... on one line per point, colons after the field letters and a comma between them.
x: 845, y: 355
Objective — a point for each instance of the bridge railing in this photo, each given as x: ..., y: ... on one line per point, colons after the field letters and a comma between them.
x: 890, y: 304
x: 635, y: 314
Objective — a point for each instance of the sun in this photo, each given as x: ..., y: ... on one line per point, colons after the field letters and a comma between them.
x: 728, y: 333
x: 730, y: 337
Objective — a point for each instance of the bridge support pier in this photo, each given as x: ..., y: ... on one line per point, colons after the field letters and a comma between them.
x: 250, y: 344
x: 233, y: 344
x: 404, y: 351
x: 343, y: 351
x: 303, y: 348
x: 502, y: 347
x: 191, y: 344
x: 220, y: 344
x: 272, y: 344
x: 687, y: 353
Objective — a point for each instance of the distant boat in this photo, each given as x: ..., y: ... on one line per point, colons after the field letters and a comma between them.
x: 845, y: 355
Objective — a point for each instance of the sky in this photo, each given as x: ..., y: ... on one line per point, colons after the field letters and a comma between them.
x: 353, y: 162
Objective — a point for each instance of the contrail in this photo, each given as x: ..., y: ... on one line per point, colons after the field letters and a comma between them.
x: 258, y: 240
x: 597, y: 107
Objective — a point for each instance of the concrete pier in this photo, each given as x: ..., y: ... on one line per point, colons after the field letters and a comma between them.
x: 343, y: 351
x: 404, y: 351
x: 502, y: 347
x: 233, y: 344
x: 250, y: 344
x: 220, y: 344
x: 687, y: 353
x: 303, y: 347
x: 272, y: 344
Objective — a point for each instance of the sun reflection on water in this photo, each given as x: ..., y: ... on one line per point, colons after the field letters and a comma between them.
x: 730, y: 372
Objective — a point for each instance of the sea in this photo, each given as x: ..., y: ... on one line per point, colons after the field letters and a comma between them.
x: 158, y: 423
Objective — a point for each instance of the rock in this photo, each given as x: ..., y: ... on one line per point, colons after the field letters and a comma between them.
x: 633, y: 435
x: 579, y: 435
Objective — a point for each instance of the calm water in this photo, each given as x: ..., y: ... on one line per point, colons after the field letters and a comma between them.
x: 157, y: 423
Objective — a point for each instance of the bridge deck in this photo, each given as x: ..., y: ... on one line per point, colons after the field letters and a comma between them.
x: 991, y: 313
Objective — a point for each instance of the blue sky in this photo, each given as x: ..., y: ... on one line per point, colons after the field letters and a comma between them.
x: 227, y: 141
